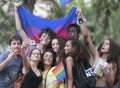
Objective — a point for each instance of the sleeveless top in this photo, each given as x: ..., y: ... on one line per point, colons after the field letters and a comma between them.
x: 31, y: 80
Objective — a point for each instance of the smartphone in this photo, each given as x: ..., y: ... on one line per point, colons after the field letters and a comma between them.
x: 32, y: 42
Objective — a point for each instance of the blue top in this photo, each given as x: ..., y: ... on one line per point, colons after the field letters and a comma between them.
x: 11, y: 71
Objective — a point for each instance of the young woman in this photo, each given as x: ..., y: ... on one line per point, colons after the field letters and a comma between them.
x: 31, y: 69
x: 49, y: 62
x: 108, y: 52
x: 58, y: 44
x: 73, y: 50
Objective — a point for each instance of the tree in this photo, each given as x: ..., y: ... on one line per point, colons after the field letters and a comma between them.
x: 106, y: 14
x: 7, y: 23
x: 102, y: 18
x: 29, y: 4
x: 56, y: 10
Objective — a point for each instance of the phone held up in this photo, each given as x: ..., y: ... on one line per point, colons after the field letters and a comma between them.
x: 32, y: 42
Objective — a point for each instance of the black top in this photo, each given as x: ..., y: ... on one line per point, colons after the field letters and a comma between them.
x: 31, y: 80
x: 81, y: 79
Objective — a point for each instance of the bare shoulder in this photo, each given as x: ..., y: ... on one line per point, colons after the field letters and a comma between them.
x: 69, y: 59
x: 113, y: 66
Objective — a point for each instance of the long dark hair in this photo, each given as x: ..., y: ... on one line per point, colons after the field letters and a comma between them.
x: 112, y: 53
x: 54, y: 58
x: 79, y: 51
x: 113, y: 56
x: 61, y: 45
x: 118, y: 65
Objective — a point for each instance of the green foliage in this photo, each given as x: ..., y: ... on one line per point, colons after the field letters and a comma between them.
x: 56, y: 10
x: 7, y: 23
x: 29, y: 4
x: 75, y: 3
x: 102, y: 18
x: 106, y: 20
x: 114, y: 28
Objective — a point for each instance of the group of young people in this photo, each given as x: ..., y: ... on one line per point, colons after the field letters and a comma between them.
x: 78, y: 57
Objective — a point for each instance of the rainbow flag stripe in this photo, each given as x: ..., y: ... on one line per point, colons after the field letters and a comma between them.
x: 59, y: 72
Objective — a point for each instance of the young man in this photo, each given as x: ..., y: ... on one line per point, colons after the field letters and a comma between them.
x: 45, y: 35
x: 10, y: 63
x: 73, y: 30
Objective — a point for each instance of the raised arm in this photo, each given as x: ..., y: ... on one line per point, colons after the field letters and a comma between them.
x: 86, y: 34
x: 26, y: 64
x: 18, y: 23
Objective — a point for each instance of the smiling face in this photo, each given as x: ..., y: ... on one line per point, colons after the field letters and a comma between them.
x: 48, y: 58
x: 105, y: 47
x: 45, y: 39
x: 15, y: 45
x: 68, y: 47
x: 35, y: 55
x: 55, y: 45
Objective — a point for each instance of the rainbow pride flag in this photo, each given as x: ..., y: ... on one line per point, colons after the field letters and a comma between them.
x: 59, y: 72
x: 64, y: 2
x: 32, y: 25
